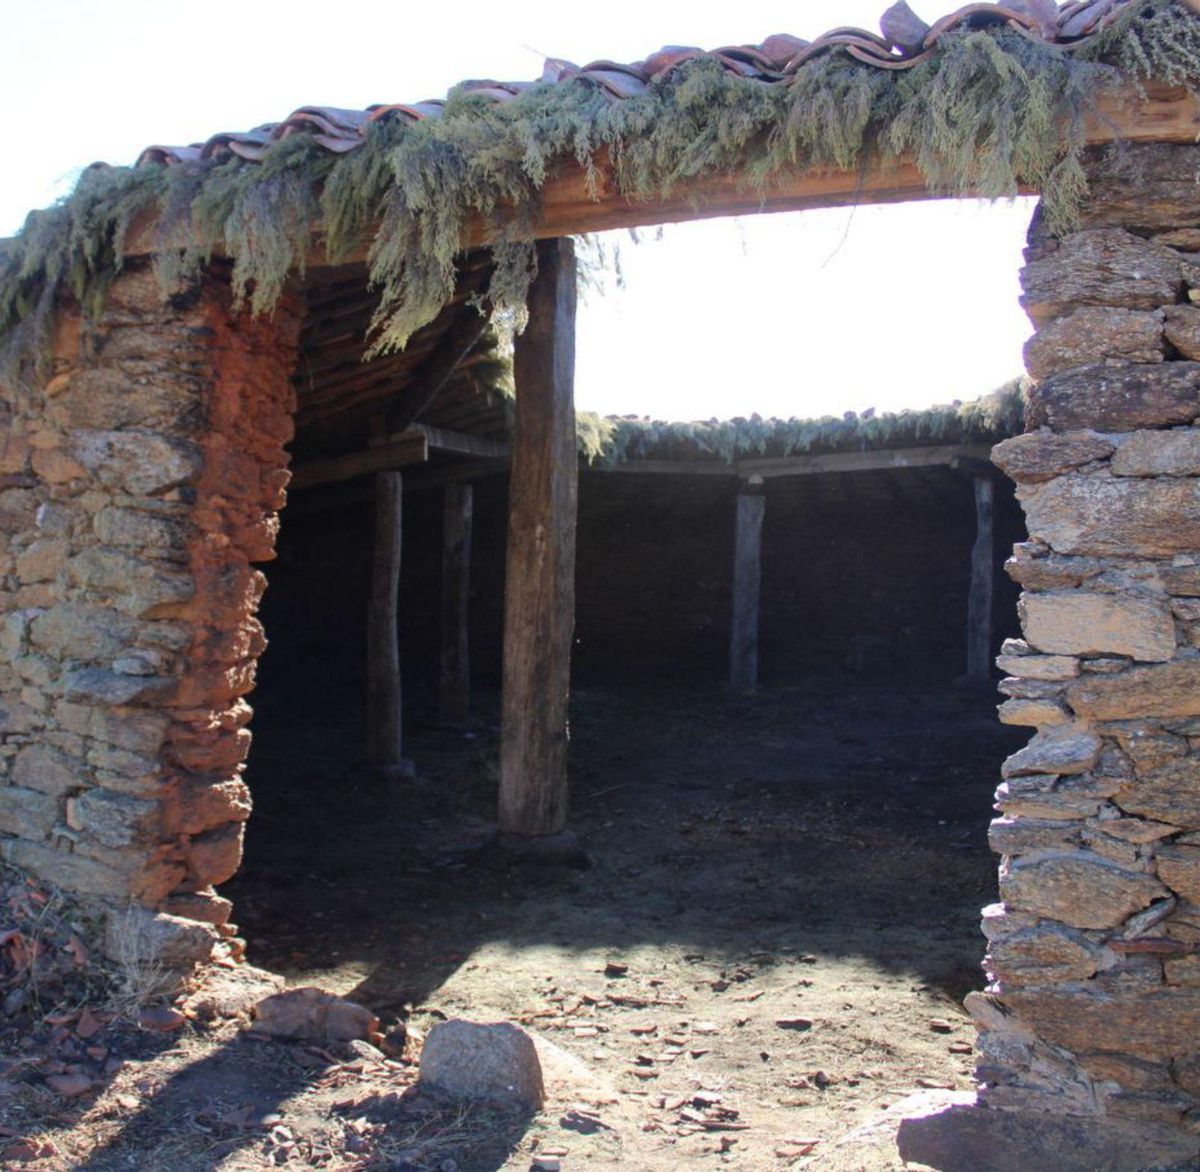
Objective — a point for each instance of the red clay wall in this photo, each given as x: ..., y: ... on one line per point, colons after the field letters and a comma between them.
x: 138, y: 484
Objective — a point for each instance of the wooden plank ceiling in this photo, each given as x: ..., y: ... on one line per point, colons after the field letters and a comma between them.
x: 345, y: 401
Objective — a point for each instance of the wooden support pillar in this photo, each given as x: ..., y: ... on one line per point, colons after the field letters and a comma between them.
x: 454, y: 690
x: 747, y: 587
x: 384, y: 737
x: 539, y: 596
x: 979, y: 601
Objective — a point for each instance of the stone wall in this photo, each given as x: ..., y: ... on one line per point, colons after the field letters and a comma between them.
x: 138, y: 482
x: 1094, y: 953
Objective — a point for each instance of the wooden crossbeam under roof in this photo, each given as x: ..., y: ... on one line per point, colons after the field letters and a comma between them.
x: 414, y: 446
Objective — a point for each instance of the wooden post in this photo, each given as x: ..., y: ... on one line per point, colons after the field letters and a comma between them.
x: 747, y: 587
x: 454, y: 691
x: 979, y: 601
x: 384, y: 737
x: 539, y: 597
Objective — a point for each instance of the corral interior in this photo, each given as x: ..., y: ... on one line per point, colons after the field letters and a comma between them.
x: 815, y: 849
x: 811, y: 851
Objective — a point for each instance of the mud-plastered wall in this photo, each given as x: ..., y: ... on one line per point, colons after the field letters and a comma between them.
x: 140, y: 474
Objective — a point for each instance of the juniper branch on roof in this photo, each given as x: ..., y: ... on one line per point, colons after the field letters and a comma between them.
x: 988, y: 419
x: 990, y: 110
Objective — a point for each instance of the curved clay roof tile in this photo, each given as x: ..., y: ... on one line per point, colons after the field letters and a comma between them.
x: 780, y: 48
x: 250, y: 151
x: 556, y: 69
x: 492, y: 93
x: 1042, y: 13
x: 339, y: 145
x: 977, y: 16
x: 669, y: 57
x: 841, y: 35
x: 888, y: 61
x: 1079, y: 20
x: 621, y: 83
x: 416, y: 112
x: 328, y: 119
x: 872, y: 49
x: 221, y: 144
x: 737, y: 62
x: 906, y: 40
x: 169, y: 154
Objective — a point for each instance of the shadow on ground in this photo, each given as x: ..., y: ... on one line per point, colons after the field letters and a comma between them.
x: 837, y: 817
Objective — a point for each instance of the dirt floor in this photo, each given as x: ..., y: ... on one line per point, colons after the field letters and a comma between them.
x: 769, y: 948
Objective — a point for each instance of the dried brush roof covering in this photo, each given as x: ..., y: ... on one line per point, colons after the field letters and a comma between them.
x: 985, y: 99
x: 903, y: 42
x: 621, y: 439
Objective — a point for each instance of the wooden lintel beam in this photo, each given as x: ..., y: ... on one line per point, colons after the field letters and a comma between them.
x: 574, y: 202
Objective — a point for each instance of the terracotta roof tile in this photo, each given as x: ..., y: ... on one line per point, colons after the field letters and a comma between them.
x: 904, y: 41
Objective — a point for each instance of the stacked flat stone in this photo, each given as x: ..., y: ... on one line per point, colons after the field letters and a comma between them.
x: 139, y: 481
x: 1094, y: 954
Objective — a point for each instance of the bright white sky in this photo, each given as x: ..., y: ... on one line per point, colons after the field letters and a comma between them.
x: 804, y: 314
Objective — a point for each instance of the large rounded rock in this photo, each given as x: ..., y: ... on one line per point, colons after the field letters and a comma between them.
x: 495, y: 1062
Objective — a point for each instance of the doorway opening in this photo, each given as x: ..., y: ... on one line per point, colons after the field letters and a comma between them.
x: 808, y: 850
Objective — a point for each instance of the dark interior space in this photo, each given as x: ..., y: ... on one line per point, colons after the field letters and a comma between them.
x: 862, y: 573
x: 817, y: 846
x: 864, y: 586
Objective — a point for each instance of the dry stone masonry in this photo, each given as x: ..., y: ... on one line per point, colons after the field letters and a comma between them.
x: 139, y: 481
x: 1094, y: 951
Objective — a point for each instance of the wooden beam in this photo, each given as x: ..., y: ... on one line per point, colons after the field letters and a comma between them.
x: 713, y: 467
x: 808, y: 465
x: 862, y: 461
x: 747, y: 587
x: 573, y: 202
x: 539, y: 596
x: 384, y: 731
x: 459, y: 443
x: 401, y: 450
x: 454, y: 689
x: 429, y: 380
x: 410, y: 448
x: 979, y: 600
